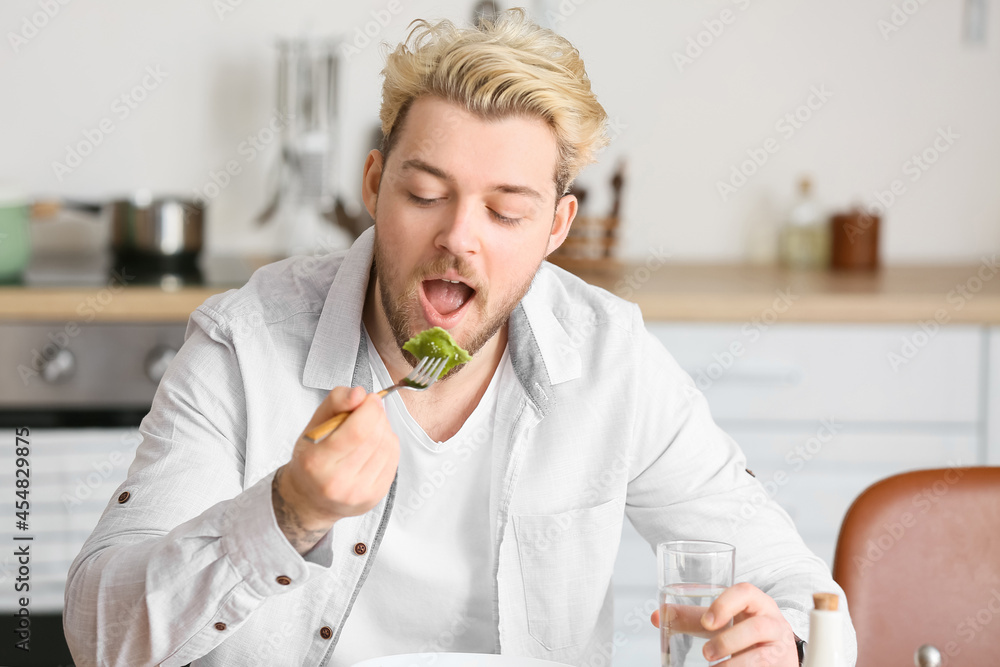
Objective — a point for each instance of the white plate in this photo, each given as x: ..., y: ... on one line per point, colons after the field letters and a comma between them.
x: 455, y: 660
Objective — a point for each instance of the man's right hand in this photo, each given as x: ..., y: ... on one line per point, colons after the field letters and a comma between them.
x: 346, y: 474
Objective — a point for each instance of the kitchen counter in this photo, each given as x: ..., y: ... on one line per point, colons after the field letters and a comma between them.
x: 88, y: 304
x: 671, y: 292
x: 738, y: 293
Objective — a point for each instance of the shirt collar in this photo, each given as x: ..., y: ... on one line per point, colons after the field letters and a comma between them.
x: 337, y: 340
x: 541, y: 351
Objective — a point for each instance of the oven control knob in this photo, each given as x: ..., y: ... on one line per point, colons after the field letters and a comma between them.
x: 157, y: 361
x: 60, y: 367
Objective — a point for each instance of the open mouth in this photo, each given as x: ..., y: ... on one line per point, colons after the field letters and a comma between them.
x: 444, y: 301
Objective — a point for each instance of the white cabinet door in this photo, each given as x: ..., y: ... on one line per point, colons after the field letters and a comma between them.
x: 993, y: 400
x: 816, y: 478
x: 795, y: 372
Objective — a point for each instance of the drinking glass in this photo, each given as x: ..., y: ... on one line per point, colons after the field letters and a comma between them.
x: 692, y: 574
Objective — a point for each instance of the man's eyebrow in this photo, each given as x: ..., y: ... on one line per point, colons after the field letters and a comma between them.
x: 518, y: 190
x: 420, y: 165
x: 505, y: 188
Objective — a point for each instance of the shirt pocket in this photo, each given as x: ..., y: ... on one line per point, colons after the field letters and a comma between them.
x: 567, y: 560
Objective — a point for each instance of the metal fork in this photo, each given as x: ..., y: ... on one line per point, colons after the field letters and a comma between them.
x: 423, y: 375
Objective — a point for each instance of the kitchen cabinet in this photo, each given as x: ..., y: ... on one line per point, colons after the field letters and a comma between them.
x: 850, y: 373
x: 822, y: 411
x: 992, y: 406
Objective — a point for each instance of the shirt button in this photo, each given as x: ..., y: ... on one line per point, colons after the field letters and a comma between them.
x: 283, y: 580
x: 123, y: 496
x: 325, y: 632
x: 220, y: 626
x: 360, y: 548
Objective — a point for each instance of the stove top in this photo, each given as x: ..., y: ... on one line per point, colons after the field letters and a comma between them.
x: 89, y: 270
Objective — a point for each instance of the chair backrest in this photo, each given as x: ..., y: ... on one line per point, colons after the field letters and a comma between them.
x: 918, y: 558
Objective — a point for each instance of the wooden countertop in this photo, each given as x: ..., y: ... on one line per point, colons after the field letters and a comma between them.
x: 673, y: 292
x: 740, y: 293
x: 92, y: 304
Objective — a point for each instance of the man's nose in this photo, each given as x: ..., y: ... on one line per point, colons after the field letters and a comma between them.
x: 459, y: 232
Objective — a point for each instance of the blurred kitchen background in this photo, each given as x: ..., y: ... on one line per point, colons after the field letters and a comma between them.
x: 802, y: 197
x: 681, y: 126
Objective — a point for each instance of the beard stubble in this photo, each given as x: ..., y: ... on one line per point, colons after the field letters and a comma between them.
x: 403, y: 312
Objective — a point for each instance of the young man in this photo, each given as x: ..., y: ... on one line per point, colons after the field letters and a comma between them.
x: 482, y: 515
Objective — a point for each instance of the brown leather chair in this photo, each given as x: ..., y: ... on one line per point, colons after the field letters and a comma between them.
x: 919, y: 559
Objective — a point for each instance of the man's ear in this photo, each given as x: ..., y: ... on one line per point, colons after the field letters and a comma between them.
x: 565, y: 213
x: 370, y: 179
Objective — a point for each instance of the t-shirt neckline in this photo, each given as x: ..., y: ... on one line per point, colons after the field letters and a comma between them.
x: 481, y: 413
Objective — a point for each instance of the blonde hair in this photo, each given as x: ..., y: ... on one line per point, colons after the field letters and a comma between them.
x: 506, y: 67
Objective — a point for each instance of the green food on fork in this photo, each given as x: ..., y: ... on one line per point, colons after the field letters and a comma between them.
x: 437, y: 343
x: 438, y: 354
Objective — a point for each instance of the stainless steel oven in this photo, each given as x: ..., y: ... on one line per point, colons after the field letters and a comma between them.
x: 72, y: 396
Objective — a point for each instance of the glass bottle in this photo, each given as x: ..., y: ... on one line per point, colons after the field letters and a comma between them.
x: 805, y: 239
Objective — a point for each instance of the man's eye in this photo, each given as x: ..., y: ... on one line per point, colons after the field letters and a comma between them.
x: 420, y: 200
x: 504, y: 219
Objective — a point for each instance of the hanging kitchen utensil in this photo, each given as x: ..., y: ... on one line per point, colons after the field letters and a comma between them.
x: 303, y: 201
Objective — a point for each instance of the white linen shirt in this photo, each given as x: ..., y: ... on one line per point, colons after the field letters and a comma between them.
x: 191, y: 567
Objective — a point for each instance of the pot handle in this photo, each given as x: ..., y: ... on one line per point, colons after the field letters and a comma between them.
x: 44, y: 209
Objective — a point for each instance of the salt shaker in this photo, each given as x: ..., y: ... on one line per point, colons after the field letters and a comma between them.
x: 825, y: 647
x: 927, y: 656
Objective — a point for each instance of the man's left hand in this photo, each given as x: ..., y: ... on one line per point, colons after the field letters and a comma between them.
x: 760, y: 635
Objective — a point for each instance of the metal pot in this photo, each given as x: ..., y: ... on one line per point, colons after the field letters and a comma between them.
x: 143, y: 226
x: 156, y: 227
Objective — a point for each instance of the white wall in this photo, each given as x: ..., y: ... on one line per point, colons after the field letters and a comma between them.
x: 681, y: 130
